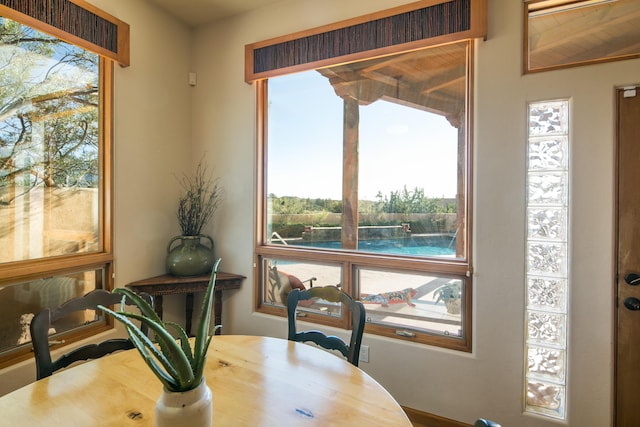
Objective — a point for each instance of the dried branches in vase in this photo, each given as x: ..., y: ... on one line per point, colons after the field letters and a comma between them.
x: 200, y: 200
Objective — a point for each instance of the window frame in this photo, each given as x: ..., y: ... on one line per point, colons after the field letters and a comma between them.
x: 73, y: 29
x: 101, y: 259
x: 350, y: 261
x: 296, y: 43
x: 529, y: 7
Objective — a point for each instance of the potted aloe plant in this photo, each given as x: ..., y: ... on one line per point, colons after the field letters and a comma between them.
x: 186, y: 399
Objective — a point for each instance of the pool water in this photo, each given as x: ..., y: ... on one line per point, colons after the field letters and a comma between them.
x: 416, y: 245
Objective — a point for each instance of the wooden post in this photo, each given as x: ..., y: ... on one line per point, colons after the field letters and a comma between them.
x: 351, y: 122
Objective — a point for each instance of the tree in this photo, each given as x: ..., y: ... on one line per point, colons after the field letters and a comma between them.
x: 405, y: 202
x: 49, y: 127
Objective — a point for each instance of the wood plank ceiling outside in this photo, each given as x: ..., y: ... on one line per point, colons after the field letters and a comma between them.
x: 431, y: 80
x: 581, y: 34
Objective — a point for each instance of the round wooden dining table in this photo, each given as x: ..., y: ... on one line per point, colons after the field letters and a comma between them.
x: 255, y: 381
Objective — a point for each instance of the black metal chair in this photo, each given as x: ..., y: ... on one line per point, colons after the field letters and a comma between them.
x: 329, y: 293
x: 481, y: 422
x: 41, y: 323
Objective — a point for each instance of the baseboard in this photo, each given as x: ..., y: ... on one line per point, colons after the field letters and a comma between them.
x: 430, y: 420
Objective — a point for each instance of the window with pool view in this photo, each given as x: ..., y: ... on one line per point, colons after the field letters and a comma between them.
x: 366, y: 186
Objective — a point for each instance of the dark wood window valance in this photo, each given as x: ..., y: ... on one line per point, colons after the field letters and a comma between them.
x: 74, y: 21
x: 413, y: 26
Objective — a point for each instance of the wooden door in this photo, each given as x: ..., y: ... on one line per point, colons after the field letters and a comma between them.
x: 627, y: 372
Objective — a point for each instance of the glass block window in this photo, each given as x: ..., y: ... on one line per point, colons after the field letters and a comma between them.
x: 547, y: 257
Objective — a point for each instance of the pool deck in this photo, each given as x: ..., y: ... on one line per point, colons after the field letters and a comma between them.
x: 425, y: 314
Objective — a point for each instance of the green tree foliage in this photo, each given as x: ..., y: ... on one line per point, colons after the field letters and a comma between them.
x: 401, y: 201
x: 49, y: 106
x: 405, y: 201
x: 288, y: 205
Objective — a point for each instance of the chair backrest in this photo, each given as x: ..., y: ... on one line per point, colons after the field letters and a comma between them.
x: 481, y: 422
x: 330, y: 293
x: 41, y: 323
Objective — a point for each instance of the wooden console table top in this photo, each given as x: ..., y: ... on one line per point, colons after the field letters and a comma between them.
x: 168, y: 284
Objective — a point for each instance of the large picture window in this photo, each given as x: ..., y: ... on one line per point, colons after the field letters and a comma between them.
x: 54, y: 179
x: 366, y: 186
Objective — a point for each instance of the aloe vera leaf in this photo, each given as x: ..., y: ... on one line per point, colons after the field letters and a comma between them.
x: 200, y: 362
x: 170, y: 348
x: 184, y: 340
x: 173, y: 359
x: 167, y: 381
x: 144, y: 307
x: 147, y: 343
x: 204, y: 320
x: 186, y: 348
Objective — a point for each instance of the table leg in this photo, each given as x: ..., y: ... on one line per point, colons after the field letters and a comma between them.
x: 217, y: 310
x: 188, y: 311
x: 157, y: 305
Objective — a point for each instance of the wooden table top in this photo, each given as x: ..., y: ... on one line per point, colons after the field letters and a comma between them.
x: 255, y: 381
x: 169, y: 284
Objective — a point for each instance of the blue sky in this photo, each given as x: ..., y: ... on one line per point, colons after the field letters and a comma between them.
x: 398, y: 145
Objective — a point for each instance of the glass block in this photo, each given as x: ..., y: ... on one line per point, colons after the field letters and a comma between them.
x: 546, y: 294
x: 547, y: 189
x: 548, y: 118
x: 546, y: 363
x: 548, y: 224
x: 545, y: 398
x: 548, y: 153
x: 547, y: 259
x: 546, y: 328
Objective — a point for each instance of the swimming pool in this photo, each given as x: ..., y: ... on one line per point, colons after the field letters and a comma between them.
x: 429, y: 246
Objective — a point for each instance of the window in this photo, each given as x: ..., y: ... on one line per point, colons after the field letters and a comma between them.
x: 565, y: 33
x: 54, y: 180
x: 547, y: 254
x: 366, y: 186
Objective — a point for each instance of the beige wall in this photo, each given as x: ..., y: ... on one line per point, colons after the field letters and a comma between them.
x: 152, y: 142
x: 162, y: 126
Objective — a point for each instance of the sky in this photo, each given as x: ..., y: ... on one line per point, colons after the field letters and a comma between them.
x: 398, y: 146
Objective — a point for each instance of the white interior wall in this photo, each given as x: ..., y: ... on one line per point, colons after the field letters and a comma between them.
x: 153, y: 136
x: 162, y: 125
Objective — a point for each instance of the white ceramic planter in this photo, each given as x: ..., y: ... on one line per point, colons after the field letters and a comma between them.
x: 193, y: 408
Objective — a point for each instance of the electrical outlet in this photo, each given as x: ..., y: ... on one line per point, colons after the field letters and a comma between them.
x: 364, y: 353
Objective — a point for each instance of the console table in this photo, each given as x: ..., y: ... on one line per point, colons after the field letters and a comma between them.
x: 168, y: 284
